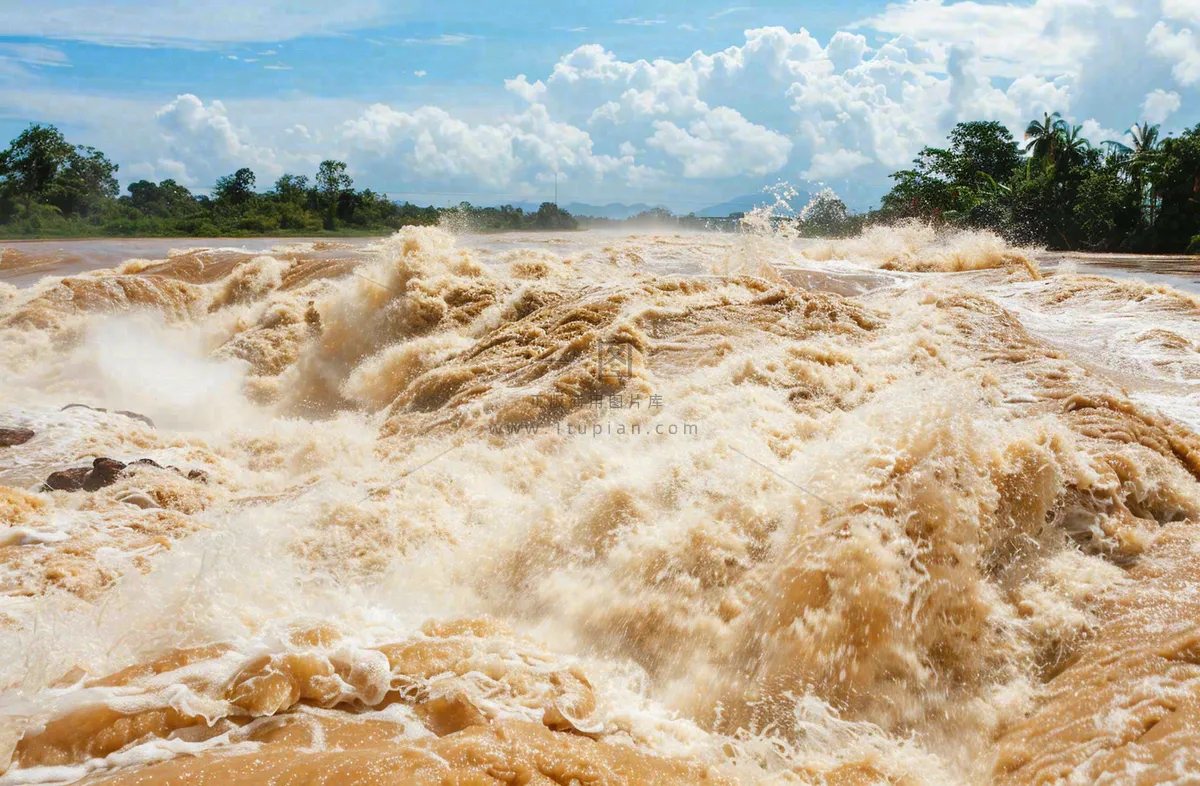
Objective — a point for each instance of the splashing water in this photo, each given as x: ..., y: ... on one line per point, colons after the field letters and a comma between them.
x: 493, y: 514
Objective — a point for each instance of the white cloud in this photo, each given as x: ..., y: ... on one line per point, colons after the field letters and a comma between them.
x: 722, y: 144
x: 1045, y: 37
x: 1182, y: 10
x: 205, y: 138
x: 437, y: 148
x: 532, y: 93
x: 732, y: 10
x: 1182, y: 47
x: 638, y: 21
x: 277, y: 67
x: 1098, y: 134
x: 1160, y: 105
x: 33, y: 54
x: 777, y: 103
x: 445, y: 39
x: 835, y: 164
x: 154, y: 23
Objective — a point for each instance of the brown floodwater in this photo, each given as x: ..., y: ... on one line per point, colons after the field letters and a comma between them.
x: 598, y: 508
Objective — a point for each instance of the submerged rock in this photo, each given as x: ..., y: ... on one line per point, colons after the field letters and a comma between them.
x: 68, y: 479
x: 11, y: 437
x: 136, y: 416
x: 105, y: 472
x: 125, y: 412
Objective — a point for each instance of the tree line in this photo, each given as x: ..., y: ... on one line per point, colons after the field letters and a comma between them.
x: 52, y: 188
x: 1057, y: 189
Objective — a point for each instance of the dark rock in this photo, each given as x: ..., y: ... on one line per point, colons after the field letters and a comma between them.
x: 105, y: 472
x: 11, y: 437
x: 68, y: 479
x: 126, y: 413
x: 136, y: 416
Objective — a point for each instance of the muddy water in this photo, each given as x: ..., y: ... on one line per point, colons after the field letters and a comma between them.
x: 599, y: 509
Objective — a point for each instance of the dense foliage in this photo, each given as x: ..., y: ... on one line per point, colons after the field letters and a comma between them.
x: 49, y: 187
x: 1138, y: 194
x: 1058, y: 190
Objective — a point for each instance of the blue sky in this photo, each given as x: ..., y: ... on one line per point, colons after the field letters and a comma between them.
x: 684, y: 104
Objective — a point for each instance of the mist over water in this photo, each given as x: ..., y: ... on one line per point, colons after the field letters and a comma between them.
x: 588, y: 508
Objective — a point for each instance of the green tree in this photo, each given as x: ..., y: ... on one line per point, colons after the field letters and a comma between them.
x: 1073, y: 146
x: 1106, y: 209
x: 167, y: 199
x: 1137, y: 158
x: 236, y: 190
x: 84, y: 185
x: 292, y: 188
x: 550, y: 216
x: 981, y: 149
x: 332, y: 183
x: 924, y: 191
x: 33, y: 161
x: 1042, y: 137
x: 825, y: 215
x: 1144, y: 139
x: 1173, y: 183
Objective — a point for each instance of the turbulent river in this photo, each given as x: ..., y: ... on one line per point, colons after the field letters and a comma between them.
x: 598, y: 509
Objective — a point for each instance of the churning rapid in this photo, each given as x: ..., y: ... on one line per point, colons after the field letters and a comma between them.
x: 588, y: 509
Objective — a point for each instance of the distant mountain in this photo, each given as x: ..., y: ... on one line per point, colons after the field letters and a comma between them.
x: 744, y: 204
x: 614, y: 210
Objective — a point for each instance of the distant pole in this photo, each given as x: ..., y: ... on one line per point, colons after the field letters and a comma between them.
x: 556, y: 188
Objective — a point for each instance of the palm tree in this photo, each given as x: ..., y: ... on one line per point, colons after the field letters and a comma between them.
x: 1144, y: 138
x: 1042, y: 137
x: 1074, y: 146
x: 1137, y: 158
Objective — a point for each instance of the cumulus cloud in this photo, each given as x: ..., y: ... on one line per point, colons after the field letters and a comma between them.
x: 435, y: 146
x: 722, y: 144
x: 1182, y: 10
x: 1045, y: 37
x: 776, y: 103
x: 1098, y: 134
x: 205, y: 137
x: 1160, y: 105
x: 835, y: 164
x: 521, y: 87
x: 1180, y: 47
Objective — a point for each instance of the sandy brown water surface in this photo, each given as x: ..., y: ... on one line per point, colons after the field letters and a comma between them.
x: 598, y: 508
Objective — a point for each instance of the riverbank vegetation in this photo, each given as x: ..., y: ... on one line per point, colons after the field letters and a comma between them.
x: 51, y: 188
x: 1057, y: 189
x: 1054, y: 188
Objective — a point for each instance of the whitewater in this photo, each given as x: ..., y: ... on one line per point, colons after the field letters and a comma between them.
x: 585, y: 508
